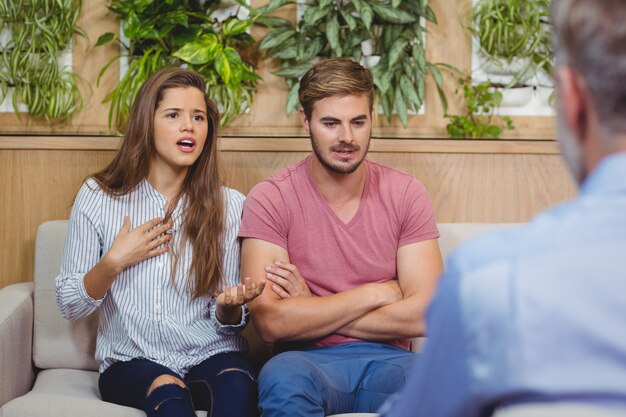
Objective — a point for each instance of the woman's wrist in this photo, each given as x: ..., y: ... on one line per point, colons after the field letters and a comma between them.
x: 228, y: 314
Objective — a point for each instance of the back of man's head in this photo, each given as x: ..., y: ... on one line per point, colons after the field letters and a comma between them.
x: 590, y: 37
x: 334, y: 77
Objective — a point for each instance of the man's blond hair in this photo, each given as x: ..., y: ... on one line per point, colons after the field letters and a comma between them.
x: 335, y: 77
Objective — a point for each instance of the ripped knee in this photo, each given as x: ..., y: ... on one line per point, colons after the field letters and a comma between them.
x: 167, y: 391
x: 165, y: 380
x: 231, y: 371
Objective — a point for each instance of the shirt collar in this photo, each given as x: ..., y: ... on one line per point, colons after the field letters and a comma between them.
x: 608, y: 177
x: 152, y: 194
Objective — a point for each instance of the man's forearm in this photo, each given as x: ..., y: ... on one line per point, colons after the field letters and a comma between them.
x: 309, y: 318
x: 402, y: 319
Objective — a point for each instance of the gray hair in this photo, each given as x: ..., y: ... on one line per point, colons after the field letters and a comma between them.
x: 590, y: 37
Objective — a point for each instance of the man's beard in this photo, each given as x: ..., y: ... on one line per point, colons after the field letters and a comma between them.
x: 338, y: 168
x: 570, y: 149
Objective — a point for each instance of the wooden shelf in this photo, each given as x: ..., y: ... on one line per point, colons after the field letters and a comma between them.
x: 295, y: 144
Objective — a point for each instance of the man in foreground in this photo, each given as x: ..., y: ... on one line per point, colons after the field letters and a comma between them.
x: 349, y: 249
x: 536, y: 315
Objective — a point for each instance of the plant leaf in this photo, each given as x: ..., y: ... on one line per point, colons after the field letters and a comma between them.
x: 314, y: 14
x: 276, y: 37
x: 200, y: 52
x: 272, y: 21
x: 350, y: 20
x: 401, y: 109
x: 430, y: 15
x: 434, y: 71
x: 397, y: 50
x: 105, y: 38
x: 223, y: 67
x: 292, y: 98
x: 332, y: 33
x: 235, y: 27
x: 295, y: 71
x: 366, y: 12
x: 271, y: 6
x: 392, y: 15
x: 409, y: 91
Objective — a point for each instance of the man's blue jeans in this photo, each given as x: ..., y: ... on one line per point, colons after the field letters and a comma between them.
x: 224, y: 385
x: 348, y: 378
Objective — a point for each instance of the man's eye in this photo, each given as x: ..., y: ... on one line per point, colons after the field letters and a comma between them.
x: 330, y: 124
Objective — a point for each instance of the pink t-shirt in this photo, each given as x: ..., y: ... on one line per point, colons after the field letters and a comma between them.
x: 288, y: 210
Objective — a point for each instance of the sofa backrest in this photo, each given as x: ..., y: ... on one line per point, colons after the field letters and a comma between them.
x: 59, y: 343
x: 454, y: 234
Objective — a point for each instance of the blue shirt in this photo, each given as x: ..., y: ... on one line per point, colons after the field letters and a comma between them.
x: 145, y: 314
x: 531, y: 314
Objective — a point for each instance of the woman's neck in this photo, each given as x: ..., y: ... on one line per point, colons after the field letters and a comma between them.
x: 166, y: 182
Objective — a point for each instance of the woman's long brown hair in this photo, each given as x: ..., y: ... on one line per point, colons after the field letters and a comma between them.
x: 203, y: 213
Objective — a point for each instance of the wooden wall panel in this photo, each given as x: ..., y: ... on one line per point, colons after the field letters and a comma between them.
x: 39, y: 184
x: 35, y: 186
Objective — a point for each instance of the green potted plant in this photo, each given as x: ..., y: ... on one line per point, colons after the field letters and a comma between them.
x: 387, y: 35
x: 478, y: 120
x: 513, y: 36
x: 34, y: 40
x: 513, y: 40
x: 184, y: 33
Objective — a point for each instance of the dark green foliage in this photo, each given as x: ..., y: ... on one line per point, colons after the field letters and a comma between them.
x: 184, y: 33
x: 39, y: 32
x: 331, y: 28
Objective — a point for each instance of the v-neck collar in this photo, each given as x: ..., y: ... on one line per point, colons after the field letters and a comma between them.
x: 325, y: 203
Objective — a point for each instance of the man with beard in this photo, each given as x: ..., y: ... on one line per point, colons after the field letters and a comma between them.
x: 349, y: 249
x: 536, y: 315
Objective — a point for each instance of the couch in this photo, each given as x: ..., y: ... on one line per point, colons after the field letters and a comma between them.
x: 47, y: 367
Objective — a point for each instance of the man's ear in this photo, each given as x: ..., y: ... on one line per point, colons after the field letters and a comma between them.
x: 575, y: 100
x: 304, y: 120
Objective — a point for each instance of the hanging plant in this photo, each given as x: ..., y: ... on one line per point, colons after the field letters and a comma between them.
x: 510, y: 32
x: 37, y: 33
x: 183, y: 33
x: 392, y: 29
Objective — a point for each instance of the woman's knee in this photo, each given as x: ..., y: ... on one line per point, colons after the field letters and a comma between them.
x: 164, y: 379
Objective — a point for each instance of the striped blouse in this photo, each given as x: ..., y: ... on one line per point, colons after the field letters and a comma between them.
x: 145, y: 314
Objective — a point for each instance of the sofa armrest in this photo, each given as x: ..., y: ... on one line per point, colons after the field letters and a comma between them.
x: 16, y: 341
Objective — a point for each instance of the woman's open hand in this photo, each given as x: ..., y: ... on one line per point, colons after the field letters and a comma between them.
x: 230, y: 301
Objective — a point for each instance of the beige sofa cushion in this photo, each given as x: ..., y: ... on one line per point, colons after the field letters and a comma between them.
x: 67, y: 393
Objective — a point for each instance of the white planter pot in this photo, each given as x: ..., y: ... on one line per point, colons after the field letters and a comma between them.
x: 544, y: 95
x: 515, y: 67
x: 370, y: 61
x: 367, y: 47
x: 516, y: 97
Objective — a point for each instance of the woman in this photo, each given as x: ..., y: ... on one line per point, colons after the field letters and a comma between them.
x: 151, y: 243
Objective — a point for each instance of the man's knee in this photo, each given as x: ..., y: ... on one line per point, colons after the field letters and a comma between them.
x: 288, y: 369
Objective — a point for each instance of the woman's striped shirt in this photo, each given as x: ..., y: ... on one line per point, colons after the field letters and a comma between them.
x: 146, y: 314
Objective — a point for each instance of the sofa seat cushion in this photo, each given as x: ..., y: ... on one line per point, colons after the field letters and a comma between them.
x: 67, y: 393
